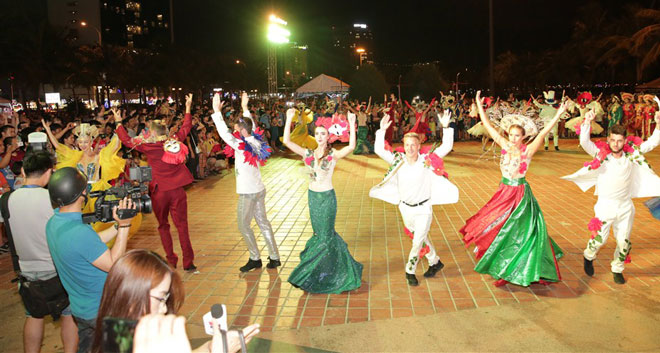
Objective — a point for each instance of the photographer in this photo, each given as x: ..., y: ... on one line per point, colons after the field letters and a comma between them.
x: 80, y: 255
x: 39, y: 283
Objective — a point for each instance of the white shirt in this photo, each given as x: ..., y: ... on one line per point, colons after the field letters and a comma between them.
x: 414, y: 184
x: 616, y: 180
x: 29, y: 211
x: 248, y: 177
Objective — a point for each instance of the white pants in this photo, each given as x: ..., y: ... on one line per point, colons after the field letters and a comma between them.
x: 617, y: 215
x: 555, y: 136
x: 418, y: 221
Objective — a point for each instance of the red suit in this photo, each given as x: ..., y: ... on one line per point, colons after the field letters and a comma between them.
x: 167, y: 194
x: 389, y: 133
x: 629, y: 116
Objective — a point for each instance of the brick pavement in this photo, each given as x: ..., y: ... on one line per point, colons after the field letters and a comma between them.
x: 374, y: 232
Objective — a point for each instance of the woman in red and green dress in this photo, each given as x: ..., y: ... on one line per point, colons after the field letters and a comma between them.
x: 509, y: 232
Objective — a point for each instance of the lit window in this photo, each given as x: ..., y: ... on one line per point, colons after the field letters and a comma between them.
x: 130, y: 44
x: 159, y: 17
x: 74, y: 21
x: 165, y: 24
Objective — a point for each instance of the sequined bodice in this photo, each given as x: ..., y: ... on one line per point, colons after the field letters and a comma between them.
x: 320, y: 171
x: 90, y: 171
x: 514, y: 161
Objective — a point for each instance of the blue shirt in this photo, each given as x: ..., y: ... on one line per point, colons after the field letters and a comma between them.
x: 74, y: 246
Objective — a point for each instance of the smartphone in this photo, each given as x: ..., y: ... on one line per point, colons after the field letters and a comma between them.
x: 118, y: 335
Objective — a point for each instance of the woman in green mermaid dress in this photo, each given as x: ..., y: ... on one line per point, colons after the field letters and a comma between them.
x: 509, y: 232
x: 326, y: 265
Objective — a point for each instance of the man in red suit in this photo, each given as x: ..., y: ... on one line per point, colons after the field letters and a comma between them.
x: 166, y: 156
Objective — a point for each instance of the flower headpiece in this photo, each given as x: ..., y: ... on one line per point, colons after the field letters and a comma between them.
x: 86, y: 130
x: 337, y: 128
x: 584, y: 98
x: 517, y: 119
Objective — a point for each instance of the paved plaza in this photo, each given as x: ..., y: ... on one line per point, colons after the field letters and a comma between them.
x: 458, y: 300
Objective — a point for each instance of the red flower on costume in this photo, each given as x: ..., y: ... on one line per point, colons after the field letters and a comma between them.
x: 628, y: 148
x: 329, y: 158
x: 424, y: 250
x: 503, y: 152
x: 584, y: 98
x: 437, y: 164
x: 309, y: 160
x: 594, y: 226
x: 594, y: 164
x: 636, y: 140
x: 523, y: 168
x: 628, y: 259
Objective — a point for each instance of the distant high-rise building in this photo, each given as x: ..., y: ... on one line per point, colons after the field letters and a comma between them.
x: 356, y: 41
x: 293, y: 61
x: 133, y: 24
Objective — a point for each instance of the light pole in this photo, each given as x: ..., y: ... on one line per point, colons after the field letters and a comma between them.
x: 85, y: 24
x: 276, y: 34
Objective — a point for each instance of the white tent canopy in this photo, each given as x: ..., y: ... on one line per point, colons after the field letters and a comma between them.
x: 323, y: 84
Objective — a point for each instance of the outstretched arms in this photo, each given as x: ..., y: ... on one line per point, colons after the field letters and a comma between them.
x: 287, y: 134
x: 501, y: 141
x: 379, y: 145
x: 220, y: 124
x: 447, y: 135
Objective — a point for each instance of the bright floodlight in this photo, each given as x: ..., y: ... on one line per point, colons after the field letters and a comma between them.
x: 360, y: 50
x: 83, y: 23
x: 278, y: 34
x: 275, y: 19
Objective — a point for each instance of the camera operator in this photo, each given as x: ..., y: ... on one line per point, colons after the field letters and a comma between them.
x: 80, y: 255
x: 39, y: 284
x: 167, y: 157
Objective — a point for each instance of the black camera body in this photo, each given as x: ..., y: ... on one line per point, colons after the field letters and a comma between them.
x: 136, y: 190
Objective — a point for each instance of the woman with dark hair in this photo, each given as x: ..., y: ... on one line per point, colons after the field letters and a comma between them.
x: 326, y: 265
x: 141, y: 282
x: 509, y: 232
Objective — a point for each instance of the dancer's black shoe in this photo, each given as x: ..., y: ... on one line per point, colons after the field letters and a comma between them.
x: 434, y: 269
x: 412, y: 280
x: 251, y: 264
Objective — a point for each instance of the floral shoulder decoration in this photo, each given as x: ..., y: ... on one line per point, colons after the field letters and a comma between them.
x: 630, y: 149
x: 254, y: 154
x: 431, y: 161
x: 310, y: 162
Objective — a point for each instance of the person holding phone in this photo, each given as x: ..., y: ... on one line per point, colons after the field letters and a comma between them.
x: 80, y: 255
x: 142, y: 284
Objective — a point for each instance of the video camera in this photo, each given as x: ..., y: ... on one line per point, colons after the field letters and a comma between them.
x: 136, y: 190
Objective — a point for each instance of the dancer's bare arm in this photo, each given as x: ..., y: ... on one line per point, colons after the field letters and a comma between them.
x: 501, y: 141
x: 287, y: 134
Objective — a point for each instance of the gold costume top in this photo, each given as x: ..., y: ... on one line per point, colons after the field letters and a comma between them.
x: 299, y: 135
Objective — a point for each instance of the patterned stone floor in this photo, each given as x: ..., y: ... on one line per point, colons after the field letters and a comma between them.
x: 374, y: 232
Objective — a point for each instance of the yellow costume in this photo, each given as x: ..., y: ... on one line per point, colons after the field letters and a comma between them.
x: 299, y: 135
x: 111, y: 167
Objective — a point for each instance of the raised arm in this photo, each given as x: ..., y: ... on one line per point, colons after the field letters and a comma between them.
x: 379, y: 144
x: 585, y: 134
x: 501, y: 141
x: 351, y: 109
x: 368, y: 110
x: 287, y: 134
x: 447, y: 134
x: 220, y: 124
x: 51, y: 137
x: 534, y: 146
x: 351, y: 141
x: 653, y: 140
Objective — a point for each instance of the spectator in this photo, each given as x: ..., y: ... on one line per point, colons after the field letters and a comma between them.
x: 31, y: 208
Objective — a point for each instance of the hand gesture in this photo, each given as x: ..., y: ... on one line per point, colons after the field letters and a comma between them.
x: 478, y: 100
x: 70, y: 125
x: 385, y: 122
x: 47, y: 125
x: 589, y: 117
x: 217, y: 103
x: 189, y: 98
x: 125, y: 203
x: 233, y: 340
x: 117, y: 114
x: 244, y: 101
x: 290, y: 113
x: 351, y: 119
x: 161, y: 333
x: 444, y: 118
x: 563, y: 107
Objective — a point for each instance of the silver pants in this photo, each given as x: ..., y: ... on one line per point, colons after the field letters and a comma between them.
x: 254, y: 206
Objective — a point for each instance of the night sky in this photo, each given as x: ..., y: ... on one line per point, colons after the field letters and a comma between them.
x: 454, y: 32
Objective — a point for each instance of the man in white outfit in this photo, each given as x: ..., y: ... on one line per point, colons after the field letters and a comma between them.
x: 249, y: 187
x: 619, y: 174
x: 415, y: 182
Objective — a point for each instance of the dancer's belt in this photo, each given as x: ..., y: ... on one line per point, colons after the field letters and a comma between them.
x: 514, y: 182
x: 415, y: 205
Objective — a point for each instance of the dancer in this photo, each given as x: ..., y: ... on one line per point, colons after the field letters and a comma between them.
x: 250, y: 151
x: 362, y: 130
x: 547, y: 113
x: 415, y: 181
x: 166, y: 157
x: 584, y: 104
x: 620, y: 172
x: 614, y: 112
x: 512, y: 243
x: 100, y: 167
x: 628, y: 111
x: 326, y: 265
x: 421, y: 128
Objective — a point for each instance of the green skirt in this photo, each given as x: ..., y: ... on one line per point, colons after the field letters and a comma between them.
x: 522, y: 252
x: 325, y: 266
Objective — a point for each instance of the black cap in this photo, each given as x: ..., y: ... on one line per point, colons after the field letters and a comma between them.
x: 66, y: 185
